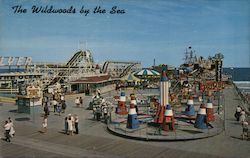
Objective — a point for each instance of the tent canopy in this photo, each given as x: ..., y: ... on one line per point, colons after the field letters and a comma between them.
x: 130, y: 78
x: 147, y: 72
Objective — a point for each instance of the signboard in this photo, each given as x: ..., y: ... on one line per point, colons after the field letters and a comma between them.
x: 15, y: 61
x: 212, y: 85
x: 33, y: 92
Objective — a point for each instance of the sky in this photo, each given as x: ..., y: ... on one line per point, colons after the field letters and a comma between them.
x: 148, y: 30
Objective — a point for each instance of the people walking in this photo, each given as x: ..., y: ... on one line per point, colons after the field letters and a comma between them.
x: 70, y: 125
x: 12, y: 130
x: 54, y: 103
x: 94, y: 112
x: 45, y: 123
x: 62, y: 98
x: 98, y: 113
x: 242, y: 116
x: 7, y: 127
x: 245, y: 130
x: 64, y: 106
x: 76, y: 124
x: 44, y: 101
x: 77, y: 102
x: 105, y: 113
x: 237, y: 113
x: 66, y: 125
x: 59, y: 108
x: 81, y: 101
x: 46, y: 109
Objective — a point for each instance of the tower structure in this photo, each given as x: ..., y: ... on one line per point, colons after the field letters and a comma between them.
x: 168, y: 124
x: 190, y: 111
x: 164, y: 92
x: 201, y: 118
x: 121, y: 108
x: 132, y: 121
x: 210, y: 111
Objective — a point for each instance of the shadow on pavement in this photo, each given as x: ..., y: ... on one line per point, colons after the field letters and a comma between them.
x: 62, y: 132
x: 23, y: 119
x: 15, y: 110
x: 239, y: 138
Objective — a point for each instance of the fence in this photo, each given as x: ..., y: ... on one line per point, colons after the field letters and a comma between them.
x: 245, y: 97
x: 151, y: 131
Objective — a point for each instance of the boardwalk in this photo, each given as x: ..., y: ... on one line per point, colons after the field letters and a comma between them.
x: 95, y: 141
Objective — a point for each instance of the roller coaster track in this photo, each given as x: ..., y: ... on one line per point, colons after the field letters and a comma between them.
x: 74, y: 58
x: 107, y: 63
x: 72, y: 63
x: 127, y: 69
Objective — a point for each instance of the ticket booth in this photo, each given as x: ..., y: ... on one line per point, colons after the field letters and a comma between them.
x: 30, y: 103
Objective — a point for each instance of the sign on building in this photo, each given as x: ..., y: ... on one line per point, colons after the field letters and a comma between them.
x: 15, y: 61
x: 212, y: 85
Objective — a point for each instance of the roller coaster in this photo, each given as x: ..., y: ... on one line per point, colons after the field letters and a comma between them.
x: 120, y: 68
x: 81, y: 64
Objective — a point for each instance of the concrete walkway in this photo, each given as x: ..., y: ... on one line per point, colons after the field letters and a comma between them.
x: 95, y: 141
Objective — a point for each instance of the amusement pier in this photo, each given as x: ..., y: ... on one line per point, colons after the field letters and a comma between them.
x: 120, y: 109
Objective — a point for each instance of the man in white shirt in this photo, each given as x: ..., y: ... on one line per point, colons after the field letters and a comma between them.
x: 12, y: 131
x: 77, y: 102
x: 237, y: 113
x: 7, y: 127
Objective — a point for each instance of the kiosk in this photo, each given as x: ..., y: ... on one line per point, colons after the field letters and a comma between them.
x: 29, y: 103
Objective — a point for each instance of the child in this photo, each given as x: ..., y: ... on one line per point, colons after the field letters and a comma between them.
x: 45, y: 123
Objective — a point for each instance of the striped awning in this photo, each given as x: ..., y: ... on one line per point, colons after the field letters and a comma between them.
x: 147, y: 72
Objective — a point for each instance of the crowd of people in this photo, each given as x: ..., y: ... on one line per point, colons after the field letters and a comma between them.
x: 241, y: 116
x: 71, y: 123
x: 58, y: 103
x: 102, y: 111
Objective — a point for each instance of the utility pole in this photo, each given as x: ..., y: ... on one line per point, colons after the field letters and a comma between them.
x: 218, y: 72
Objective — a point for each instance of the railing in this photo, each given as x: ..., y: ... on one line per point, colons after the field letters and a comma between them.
x: 245, y: 97
x: 13, y: 90
x: 7, y: 100
x: 147, y: 131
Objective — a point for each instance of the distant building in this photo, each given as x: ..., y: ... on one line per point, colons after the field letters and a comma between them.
x: 89, y: 85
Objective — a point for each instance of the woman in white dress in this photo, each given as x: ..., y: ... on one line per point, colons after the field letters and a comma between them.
x: 12, y: 131
x: 70, y: 125
x: 242, y: 116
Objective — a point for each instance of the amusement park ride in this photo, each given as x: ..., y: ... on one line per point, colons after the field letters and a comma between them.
x: 165, y: 115
x: 80, y: 65
x: 192, y: 85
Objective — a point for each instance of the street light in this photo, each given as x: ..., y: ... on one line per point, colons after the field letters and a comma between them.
x: 232, y: 73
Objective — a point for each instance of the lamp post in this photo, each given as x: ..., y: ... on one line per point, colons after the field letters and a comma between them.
x: 218, y: 58
x: 232, y: 73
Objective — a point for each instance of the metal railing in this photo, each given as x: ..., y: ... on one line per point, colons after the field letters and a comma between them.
x: 151, y: 131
